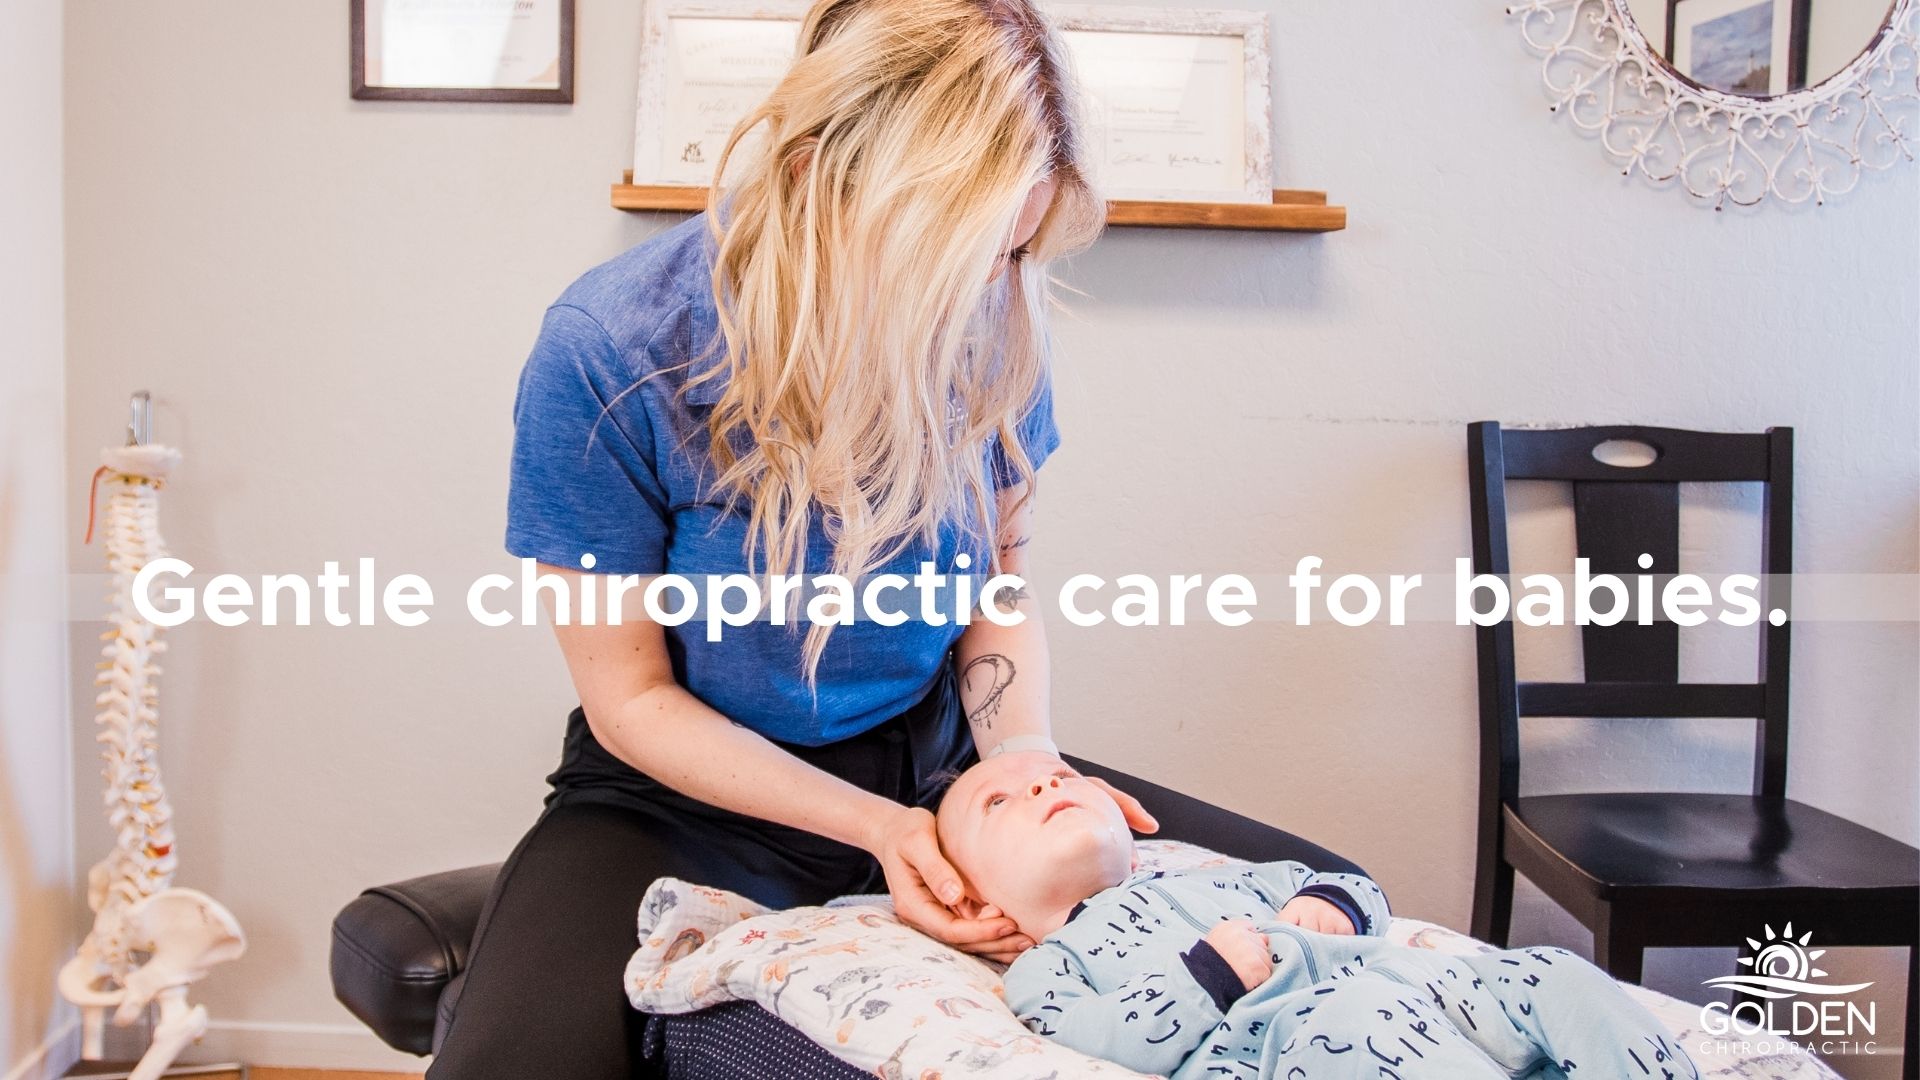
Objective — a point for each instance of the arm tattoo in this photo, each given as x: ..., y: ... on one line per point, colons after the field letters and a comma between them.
x: 1005, y: 601
x: 1013, y: 545
x: 990, y: 675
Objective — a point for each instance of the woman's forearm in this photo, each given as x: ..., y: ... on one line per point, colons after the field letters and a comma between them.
x: 644, y: 717
x: 1003, y: 669
x: 682, y: 742
x: 1004, y: 687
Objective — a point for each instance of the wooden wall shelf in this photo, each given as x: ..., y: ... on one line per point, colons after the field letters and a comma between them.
x: 1290, y: 211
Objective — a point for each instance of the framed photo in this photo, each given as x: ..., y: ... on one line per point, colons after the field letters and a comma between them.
x: 1177, y: 100
x: 463, y: 50
x: 1756, y: 48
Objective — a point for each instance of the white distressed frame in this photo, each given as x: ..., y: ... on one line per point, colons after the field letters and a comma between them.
x: 651, y: 104
x: 1256, y: 64
x: 1809, y: 145
x: 1249, y: 26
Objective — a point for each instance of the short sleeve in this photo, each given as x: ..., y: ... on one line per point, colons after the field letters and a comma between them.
x: 583, y: 477
x: 1039, y: 436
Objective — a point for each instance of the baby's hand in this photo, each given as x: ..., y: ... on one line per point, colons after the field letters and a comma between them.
x: 1245, y: 948
x: 1313, y: 913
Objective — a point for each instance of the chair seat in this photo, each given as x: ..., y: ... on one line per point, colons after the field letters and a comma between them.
x: 1636, y: 842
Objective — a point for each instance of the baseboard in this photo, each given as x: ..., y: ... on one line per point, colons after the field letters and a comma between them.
x: 303, y: 1046
x: 269, y: 1072
x: 53, y: 1057
x: 254, y: 1073
x: 301, y: 1049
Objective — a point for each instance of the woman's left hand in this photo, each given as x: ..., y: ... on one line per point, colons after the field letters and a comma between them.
x: 927, y: 892
x: 1137, y: 817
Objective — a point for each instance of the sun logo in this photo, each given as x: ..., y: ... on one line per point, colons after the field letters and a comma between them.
x: 1781, y: 968
x: 1785, y: 957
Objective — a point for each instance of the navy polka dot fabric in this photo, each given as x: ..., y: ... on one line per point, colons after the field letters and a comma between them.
x: 740, y: 1041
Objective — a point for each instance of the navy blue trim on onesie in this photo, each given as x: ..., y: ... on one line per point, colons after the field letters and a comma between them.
x: 1340, y: 898
x: 1214, y: 974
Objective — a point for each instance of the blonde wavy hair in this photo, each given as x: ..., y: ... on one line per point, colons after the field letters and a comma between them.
x: 869, y: 351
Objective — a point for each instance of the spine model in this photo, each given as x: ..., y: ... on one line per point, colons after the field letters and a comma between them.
x: 138, y: 912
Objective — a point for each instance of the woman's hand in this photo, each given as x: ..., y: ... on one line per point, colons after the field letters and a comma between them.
x: 1137, y: 817
x: 923, y: 885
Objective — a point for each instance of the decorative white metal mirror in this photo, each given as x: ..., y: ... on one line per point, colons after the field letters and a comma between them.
x: 1740, y: 101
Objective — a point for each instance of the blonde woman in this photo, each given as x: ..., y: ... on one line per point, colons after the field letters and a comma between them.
x: 840, y: 368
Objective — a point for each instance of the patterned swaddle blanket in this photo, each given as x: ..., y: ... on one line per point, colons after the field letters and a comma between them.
x: 899, y: 1004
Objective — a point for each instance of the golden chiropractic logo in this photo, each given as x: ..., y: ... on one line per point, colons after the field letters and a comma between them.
x: 1780, y: 974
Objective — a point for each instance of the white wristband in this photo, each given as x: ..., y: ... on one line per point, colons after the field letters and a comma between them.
x: 1025, y: 742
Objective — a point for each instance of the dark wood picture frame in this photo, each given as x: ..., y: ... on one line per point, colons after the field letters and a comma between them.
x: 357, y: 48
x: 1800, y: 14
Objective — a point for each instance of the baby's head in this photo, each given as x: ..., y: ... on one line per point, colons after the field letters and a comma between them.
x: 1032, y: 837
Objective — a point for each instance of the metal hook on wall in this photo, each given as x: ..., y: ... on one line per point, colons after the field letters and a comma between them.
x: 140, y: 418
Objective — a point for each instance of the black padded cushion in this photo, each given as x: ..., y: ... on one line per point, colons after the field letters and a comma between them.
x: 395, y: 947
x: 443, y: 1014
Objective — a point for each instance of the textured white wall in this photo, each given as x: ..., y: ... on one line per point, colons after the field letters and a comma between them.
x: 332, y: 299
x: 37, y: 930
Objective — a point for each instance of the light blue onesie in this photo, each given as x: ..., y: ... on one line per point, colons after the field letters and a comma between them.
x: 1130, y: 979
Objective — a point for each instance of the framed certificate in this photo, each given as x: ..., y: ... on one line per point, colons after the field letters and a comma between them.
x: 463, y: 50
x: 1177, y: 100
x: 704, y: 64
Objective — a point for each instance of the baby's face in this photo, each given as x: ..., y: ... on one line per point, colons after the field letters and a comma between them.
x: 1028, y: 833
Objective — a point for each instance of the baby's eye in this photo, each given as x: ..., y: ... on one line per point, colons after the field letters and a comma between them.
x: 996, y: 801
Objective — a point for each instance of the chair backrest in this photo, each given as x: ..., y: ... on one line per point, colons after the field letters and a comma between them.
x: 1621, y: 512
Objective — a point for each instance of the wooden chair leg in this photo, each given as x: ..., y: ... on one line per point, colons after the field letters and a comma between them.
x: 1620, y: 944
x: 1493, y: 899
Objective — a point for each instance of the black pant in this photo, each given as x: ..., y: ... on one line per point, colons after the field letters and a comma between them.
x: 542, y: 994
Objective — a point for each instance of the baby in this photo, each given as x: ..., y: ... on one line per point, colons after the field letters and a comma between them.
x: 1261, y: 970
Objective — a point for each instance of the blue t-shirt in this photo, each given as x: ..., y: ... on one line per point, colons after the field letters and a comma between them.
x: 633, y: 487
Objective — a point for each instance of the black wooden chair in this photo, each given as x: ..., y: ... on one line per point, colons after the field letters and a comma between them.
x: 1643, y: 869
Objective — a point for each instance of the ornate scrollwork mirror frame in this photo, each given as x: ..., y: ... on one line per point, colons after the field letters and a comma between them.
x: 1812, y: 144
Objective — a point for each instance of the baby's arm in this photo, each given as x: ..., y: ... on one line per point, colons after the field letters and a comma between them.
x: 1149, y: 1023
x: 1363, y: 902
